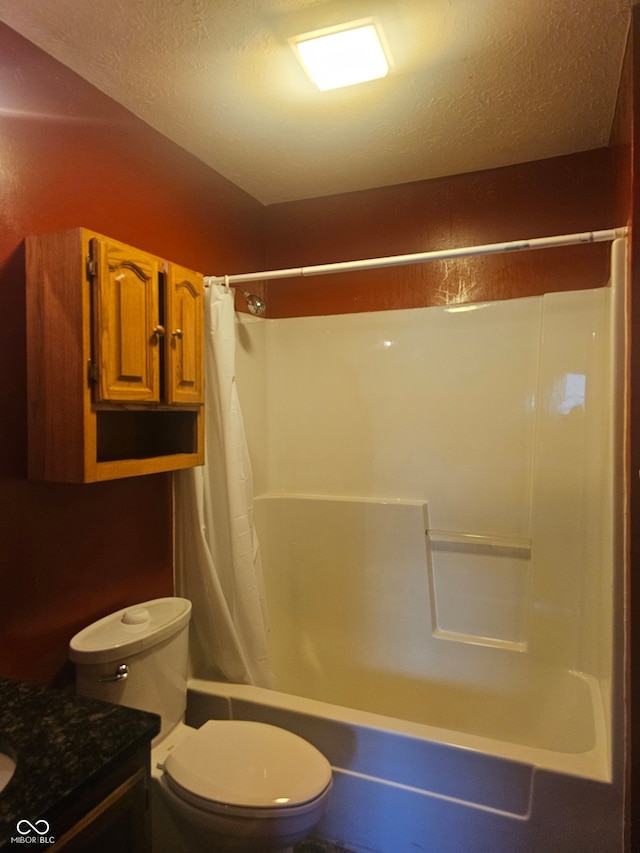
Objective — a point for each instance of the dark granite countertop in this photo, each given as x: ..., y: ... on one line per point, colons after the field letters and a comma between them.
x: 60, y: 743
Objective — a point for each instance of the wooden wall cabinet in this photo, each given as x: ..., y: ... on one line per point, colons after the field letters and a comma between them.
x: 115, y: 360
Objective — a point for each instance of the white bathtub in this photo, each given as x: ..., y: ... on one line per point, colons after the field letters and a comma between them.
x: 400, y: 787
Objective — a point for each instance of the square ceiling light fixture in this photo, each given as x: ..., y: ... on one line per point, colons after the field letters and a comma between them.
x: 344, y: 55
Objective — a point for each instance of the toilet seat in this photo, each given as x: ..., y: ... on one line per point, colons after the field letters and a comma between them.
x: 245, y: 768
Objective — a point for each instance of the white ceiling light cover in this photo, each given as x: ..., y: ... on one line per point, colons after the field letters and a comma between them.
x: 343, y: 56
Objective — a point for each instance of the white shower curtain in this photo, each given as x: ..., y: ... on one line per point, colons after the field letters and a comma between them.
x: 218, y: 564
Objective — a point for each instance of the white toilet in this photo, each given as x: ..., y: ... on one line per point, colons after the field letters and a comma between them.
x: 231, y: 785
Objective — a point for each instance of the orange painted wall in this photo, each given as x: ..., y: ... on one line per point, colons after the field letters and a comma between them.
x: 70, y: 156
x: 548, y: 197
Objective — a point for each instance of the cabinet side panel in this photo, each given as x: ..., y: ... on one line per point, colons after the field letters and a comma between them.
x: 57, y: 355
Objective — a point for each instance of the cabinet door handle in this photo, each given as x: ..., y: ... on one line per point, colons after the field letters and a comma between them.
x: 159, y: 331
x: 177, y: 333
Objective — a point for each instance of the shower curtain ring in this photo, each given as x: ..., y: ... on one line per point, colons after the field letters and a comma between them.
x: 227, y: 288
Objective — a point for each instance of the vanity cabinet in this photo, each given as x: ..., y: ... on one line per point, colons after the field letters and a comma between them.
x: 115, y: 360
x: 119, y: 821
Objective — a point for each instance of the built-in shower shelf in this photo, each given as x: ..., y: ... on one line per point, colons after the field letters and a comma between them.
x: 479, y: 543
x: 480, y: 588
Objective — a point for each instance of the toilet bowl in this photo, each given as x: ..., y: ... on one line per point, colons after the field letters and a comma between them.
x: 251, y: 786
x: 230, y: 785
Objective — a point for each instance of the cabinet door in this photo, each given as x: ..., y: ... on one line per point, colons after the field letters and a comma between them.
x: 127, y: 330
x: 119, y: 824
x: 185, y: 331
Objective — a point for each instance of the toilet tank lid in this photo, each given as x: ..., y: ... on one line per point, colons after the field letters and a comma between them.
x: 130, y: 630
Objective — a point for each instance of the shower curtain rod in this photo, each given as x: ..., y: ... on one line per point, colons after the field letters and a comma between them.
x: 422, y: 257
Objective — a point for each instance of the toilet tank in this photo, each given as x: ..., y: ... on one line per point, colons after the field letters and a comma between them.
x: 137, y: 657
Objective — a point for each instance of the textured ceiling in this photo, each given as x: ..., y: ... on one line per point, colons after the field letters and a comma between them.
x: 477, y: 83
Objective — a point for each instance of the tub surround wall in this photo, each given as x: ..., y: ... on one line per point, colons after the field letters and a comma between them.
x: 70, y: 156
x: 492, y: 422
